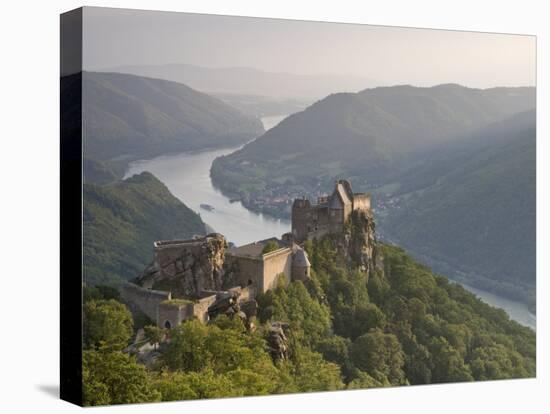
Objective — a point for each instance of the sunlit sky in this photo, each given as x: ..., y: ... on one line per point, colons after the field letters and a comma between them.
x: 388, y: 55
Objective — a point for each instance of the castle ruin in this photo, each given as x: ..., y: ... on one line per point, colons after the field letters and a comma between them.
x: 330, y: 214
x: 202, y: 277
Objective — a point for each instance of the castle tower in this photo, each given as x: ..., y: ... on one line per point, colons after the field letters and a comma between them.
x: 301, y: 218
x: 300, y: 264
x: 340, y: 204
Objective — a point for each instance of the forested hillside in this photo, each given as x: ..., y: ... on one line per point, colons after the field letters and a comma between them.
x: 451, y: 169
x: 368, y: 137
x: 402, y: 326
x: 122, y: 220
x: 472, y: 207
x: 126, y: 117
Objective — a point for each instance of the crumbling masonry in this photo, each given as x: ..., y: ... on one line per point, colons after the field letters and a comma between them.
x: 201, y: 278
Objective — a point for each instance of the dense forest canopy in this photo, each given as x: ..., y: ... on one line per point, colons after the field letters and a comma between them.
x: 402, y: 325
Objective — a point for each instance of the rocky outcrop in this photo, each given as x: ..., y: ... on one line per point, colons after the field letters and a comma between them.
x: 234, y: 303
x: 226, y: 304
x: 188, y: 267
x: 357, y: 241
x: 277, y: 341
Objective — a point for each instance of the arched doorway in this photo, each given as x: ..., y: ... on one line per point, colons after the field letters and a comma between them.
x: 167, y: 325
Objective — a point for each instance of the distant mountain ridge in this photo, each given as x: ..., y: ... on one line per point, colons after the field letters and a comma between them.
x: 249, y: 81
x: 452, y: 169
x: 127, y: 116
x: 374, y: 133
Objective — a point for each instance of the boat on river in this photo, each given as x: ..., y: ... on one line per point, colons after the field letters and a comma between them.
x: 207, y: 207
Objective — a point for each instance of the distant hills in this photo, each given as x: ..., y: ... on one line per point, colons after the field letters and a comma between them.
x: 259, y: 106
x: 452, y: 170
x: 122, y: 220
x: 470, y: 210
x: 128, y: 117
x: 368, y: 137
x: 249, y: 81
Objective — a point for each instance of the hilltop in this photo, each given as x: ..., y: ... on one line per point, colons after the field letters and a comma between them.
x: 122, y: 220
x: 376, y: 133
x: 250, y: 81
x: 127, y: 117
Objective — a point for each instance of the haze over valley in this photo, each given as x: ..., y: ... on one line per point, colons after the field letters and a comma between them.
x: 445, y: 143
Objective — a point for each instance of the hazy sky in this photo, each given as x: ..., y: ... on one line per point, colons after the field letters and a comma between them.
x: 389, y: 55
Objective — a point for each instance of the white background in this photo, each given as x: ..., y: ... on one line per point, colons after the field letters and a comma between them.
x: 29, y: 191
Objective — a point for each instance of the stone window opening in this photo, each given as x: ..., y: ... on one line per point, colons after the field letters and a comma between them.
x: 167, y: 325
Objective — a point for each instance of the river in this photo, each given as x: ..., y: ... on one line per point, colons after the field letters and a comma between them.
x: 187, y: 176
x: 516, y: 310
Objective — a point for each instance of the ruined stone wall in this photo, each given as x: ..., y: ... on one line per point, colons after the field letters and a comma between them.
x: 300, y: 273
x: 145, y: 300
x: 275, y: 263
x: 302, y: 215
x: 244, y: 270
x: 173, y: 314
x: 187, y: 267
x: 322, y: 217
x: 200, y: 307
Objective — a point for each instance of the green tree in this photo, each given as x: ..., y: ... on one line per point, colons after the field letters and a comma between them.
x: 449, y: 365
x: 154, y: 334
x: 270, y: 246
x: 107, y: 324
x: 187, y: 348
x: 112, y: 377
x: 310, y: 372
x: 335, y: 349
x: 379, y: 353
x: 194, y: 347
x: 497, y: 362
x: 309, y: 320
x: 364, y: 380
x: 176, y: 386
x: 366, y: 317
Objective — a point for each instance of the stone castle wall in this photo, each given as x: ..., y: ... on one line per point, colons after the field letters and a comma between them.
x: 300, y: 273
x: 200, y: 307
x: 276, y: 263
x: 245, y: 271
x: 173, y: 314
x: 187, y: 267
x: 145, y: 300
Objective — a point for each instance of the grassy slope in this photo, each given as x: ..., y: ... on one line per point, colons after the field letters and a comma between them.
x: 122, y: 220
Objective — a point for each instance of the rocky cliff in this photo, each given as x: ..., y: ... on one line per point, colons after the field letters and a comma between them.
x: 357, y: 241
x: 187, y: 268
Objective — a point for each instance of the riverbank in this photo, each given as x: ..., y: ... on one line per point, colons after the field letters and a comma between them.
x: 187, y: 176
